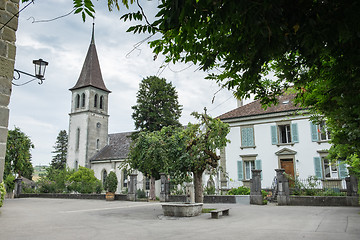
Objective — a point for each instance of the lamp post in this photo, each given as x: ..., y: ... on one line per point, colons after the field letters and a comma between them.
x: 40, y: 66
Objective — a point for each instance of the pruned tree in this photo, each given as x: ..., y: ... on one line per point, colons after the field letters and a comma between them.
x: 59, y: 159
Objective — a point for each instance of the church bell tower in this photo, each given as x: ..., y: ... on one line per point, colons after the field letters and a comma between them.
x: 88, y: 124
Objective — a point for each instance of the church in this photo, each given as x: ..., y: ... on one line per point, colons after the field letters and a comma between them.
x: 89, y: 143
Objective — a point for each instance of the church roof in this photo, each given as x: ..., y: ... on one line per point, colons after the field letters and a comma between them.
x: 91, y: 73
x: 255, y: 108
x: 118, y: 147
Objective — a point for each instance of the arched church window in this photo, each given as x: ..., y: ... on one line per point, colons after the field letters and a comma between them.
x: 101, y: 102
x: 76, y: 165
x: 125, y: 178
x: 97, y: 144
x: 95, y: 100
x: 83, y: 100
x: 77, y: 139
x: 104, y: 175
x: 77, y: 101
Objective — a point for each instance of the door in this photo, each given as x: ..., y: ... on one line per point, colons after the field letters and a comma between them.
x: 288, y: 165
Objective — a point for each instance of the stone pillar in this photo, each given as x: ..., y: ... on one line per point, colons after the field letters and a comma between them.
x: 283, y: 197
x: 223, y: 176
x: 189, y: 193
x: 8, y: 8
x: 132, y: 187
x: 255, y: 188
x: 164, y: 188
x: 18, y: 187
x: 352, y: 186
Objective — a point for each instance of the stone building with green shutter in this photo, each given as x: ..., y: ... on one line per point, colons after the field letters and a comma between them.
x: 281, y: 136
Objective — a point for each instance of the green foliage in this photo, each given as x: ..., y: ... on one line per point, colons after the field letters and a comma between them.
x: 9, y: 182
x: 140, y: 193
x: 18, y: 156
x: 2, y: 193
x: 59, y: 159
x: 264, y: 196
x: 239, y: 191
x: 209, y: 190
x: 83, y: 181
x: 55, y: 181
x: 111, y: 182
x: 156, y: 105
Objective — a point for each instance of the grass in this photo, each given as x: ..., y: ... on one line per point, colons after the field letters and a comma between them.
x: 207, y: 210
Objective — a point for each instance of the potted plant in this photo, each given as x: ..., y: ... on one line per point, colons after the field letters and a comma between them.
x: 110, y: 186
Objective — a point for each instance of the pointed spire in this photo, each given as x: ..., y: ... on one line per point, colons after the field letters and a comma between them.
x: 91, y: 73
x: 92, y: 37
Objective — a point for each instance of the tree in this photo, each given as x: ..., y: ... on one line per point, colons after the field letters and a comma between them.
x: 180, y: 151
x: 157, y: 105
x: 18, y: 156
x: 312, y: 46
x: 59, y: 159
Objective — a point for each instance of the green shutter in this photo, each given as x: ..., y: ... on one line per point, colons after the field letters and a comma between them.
x: 250, y: 136
x: 314, y: 132
x: 240, y: 170
x: 274, y: 138
x: 342, y: 170
x: 318, y: 167
x: 258, y: 166
x: 294, y: 133
x: 247, y: 137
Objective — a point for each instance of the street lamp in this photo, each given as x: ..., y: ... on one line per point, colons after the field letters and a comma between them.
x: 40, y: 66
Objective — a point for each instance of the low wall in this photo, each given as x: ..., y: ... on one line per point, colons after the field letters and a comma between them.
x: 177, y: 198
x: 323, y: 201
x: 219, y: 199
x: 121, y: 197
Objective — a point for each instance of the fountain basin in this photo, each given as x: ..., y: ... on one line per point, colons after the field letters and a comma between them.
x: 182, y: 209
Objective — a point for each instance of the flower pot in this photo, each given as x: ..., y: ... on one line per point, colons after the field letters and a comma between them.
x: 110, y: 196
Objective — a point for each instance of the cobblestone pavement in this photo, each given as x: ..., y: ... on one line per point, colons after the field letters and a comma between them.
x: 36, y: 218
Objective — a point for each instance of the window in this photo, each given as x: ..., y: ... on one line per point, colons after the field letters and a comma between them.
x: 319, y: 132
x: 326, y: 169
x: 125, y: 180
x: 76, y: 165
x: 77, y: 101
x: 101, y: 102
x: 83, y: 100
x: 284, y: 133
x: 95, y: 100
x: 104, y: 175
x: 247, y: 137
x: 97, y: 144
x: 77, y: 139
x: 147, y: 183
x: 245, y: 167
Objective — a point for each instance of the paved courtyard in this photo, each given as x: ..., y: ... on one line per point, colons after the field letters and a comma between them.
x: 36, y: 218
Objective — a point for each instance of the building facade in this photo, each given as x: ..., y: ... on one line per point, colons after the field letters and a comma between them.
x: 281, y: 136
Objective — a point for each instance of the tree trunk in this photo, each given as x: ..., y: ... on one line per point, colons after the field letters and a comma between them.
x: 152, y: 188
x: 198, y: 187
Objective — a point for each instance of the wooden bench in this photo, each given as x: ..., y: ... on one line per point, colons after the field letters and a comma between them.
x: 215, y: 213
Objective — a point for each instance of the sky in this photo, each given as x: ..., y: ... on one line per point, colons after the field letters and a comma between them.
x: 42, y: 111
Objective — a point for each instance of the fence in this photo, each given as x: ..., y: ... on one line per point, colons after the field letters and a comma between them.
x: 314, y: 183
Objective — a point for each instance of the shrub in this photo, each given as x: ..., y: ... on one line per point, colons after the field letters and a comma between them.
x: 9, y: 183
x: 83, y: 181
x: 141, y: 193
x: 2, y: 193
x: 239, y: 191
x: 111, y: 182
x: 209, y: 190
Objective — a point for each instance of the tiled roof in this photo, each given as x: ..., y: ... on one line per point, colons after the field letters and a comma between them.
x: 255, y: 108
x: 91, y: 73
x: 118, y: 147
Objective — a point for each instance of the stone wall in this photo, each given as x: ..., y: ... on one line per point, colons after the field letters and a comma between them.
x: 8, y: 8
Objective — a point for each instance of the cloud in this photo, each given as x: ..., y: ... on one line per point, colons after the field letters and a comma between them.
x: 41, y: 111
